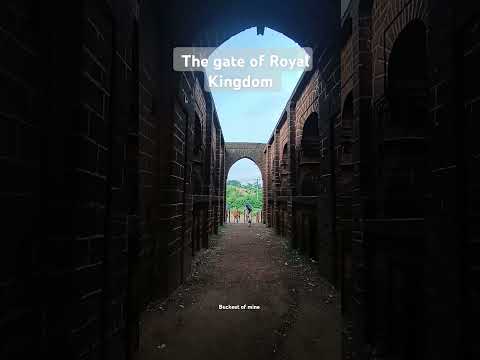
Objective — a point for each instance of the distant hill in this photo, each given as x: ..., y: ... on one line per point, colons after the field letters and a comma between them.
x: 239, y: 194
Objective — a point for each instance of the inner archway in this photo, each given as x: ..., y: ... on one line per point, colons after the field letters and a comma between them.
x: 244, y: 187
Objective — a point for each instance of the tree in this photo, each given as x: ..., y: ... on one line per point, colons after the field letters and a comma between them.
x: 238, y: 195
x: 234, y: 183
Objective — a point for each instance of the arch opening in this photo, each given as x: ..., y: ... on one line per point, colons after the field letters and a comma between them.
x: 310, y: 155
x: 405, y: 128
x: 310, y: 143
x: 249, y: 115
x: 244, y: 187
x: 404, y: 182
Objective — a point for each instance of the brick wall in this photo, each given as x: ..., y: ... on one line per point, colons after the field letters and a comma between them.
x: 97, y: 180
x: 109, y: 188
x: 471, y: 56
x: 306, y: 219
x: 79, y: 307
x: 21, y: 156
x: 376, y: 31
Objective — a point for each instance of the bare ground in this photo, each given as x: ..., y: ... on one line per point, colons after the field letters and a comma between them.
x: 298, y: 319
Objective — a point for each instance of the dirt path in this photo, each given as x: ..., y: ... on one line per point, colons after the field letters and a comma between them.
x: 298, y: 317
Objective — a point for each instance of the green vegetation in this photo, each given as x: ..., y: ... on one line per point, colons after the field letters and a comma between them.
x: 239, y: 194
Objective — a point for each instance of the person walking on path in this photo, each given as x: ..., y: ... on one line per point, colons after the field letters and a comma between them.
x: 249, y: 210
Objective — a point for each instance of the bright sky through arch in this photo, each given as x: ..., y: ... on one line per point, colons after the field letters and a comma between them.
x: 250, y: 116
x: 245, y: 171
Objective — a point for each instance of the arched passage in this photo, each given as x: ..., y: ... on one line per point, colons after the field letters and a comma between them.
x: 310, y: 154
x: 309, y: 186
x: 405, y: 129
x: 104, y: 163
x: 402, y: 195
x: 237, y: 151
x: 244, y: 187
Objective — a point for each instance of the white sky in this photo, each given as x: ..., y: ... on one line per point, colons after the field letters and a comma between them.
x: 245, y: 171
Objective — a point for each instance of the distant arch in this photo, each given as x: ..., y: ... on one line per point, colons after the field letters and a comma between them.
x: 237, y: 151
x: 227, y: 172
x: 257, y: 202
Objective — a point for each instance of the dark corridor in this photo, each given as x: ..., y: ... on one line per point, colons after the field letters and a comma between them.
x: 113, y: 172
